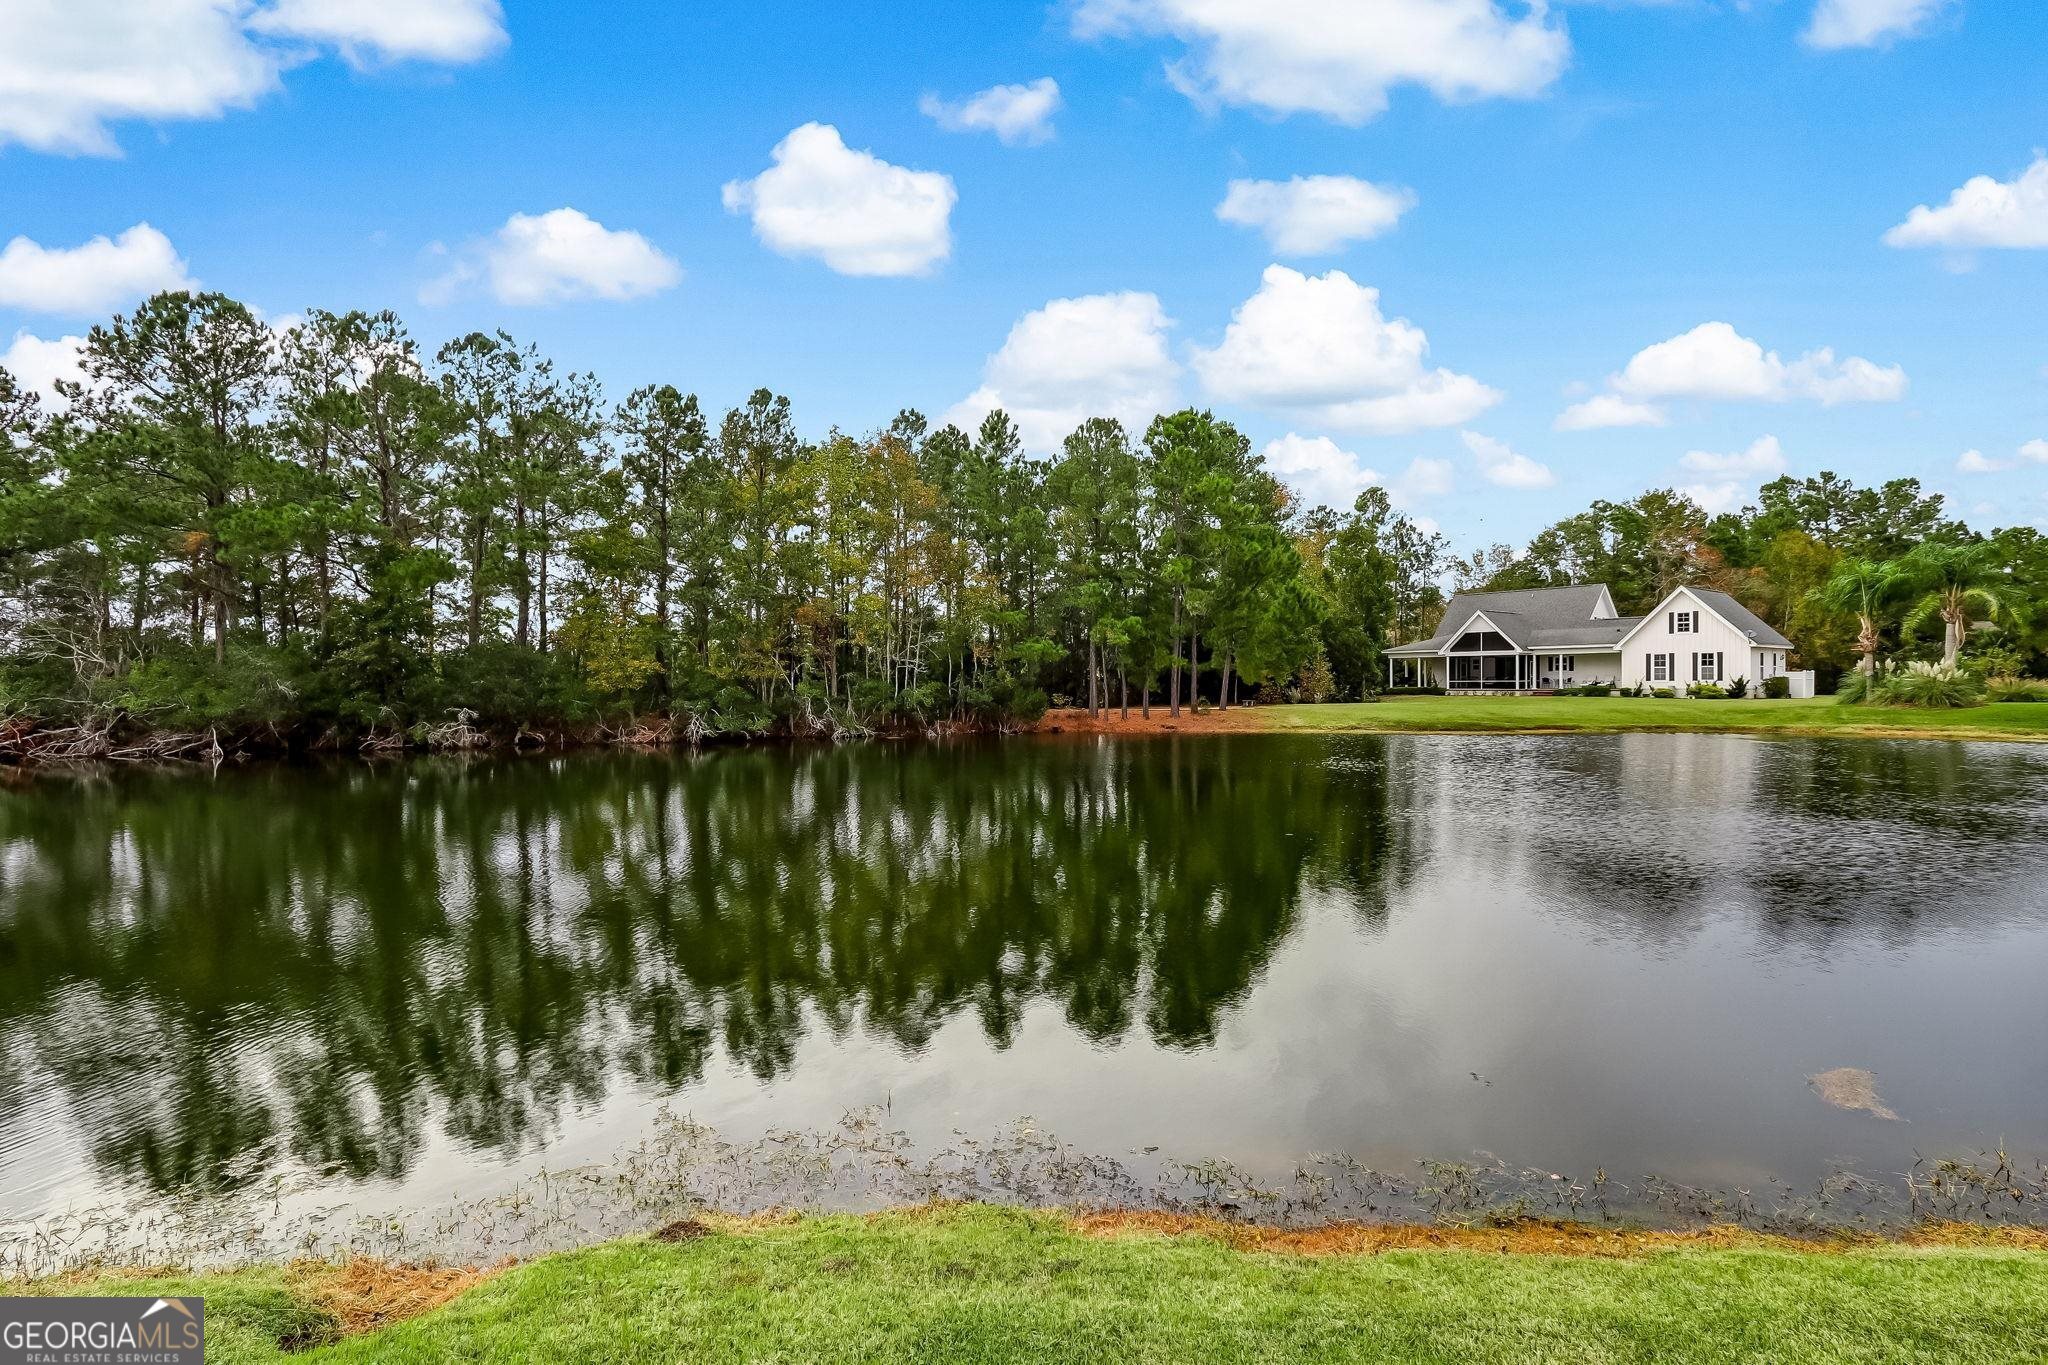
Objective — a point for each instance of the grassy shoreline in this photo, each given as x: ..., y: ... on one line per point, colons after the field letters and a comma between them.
x: 2002, y: 721
x: 990, y: 1283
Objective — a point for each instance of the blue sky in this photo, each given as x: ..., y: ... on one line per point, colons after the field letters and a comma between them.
x: 1588, y: 189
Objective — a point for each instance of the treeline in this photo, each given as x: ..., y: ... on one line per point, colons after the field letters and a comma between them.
x: 1848, y: 573
x: 319, y: 535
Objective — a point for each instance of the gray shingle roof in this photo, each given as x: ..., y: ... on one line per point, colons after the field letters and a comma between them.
x: 1534, y: 618
x: 1742, y: 618
x: 1562, y: 619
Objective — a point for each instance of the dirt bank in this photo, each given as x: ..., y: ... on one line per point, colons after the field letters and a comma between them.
x: 1077, y: 721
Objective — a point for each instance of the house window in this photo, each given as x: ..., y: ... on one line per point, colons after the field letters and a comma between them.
x: 1567, y: 663
x: 1685, y: 623
x: 1706, y: 668
x: 1661, y: 667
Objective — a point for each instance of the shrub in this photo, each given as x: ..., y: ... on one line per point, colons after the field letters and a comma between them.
x: 1318, y: 683
x: 1420, y: 691
x: 1778, y: 689
x: 1739, y: 688
x: 1593, y: 689
x: 2016, y: 689
x: 1707, y: 691
x: 1990, y: 661
x: 1664, y: 692
x: 1852, y: 688
x: 1932, y: 686
x: 510, y: 687
x: 255, y: 687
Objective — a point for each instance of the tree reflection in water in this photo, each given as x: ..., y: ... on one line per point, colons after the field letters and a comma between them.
x: 342, y: 959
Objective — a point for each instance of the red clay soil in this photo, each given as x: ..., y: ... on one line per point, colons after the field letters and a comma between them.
x: 1077, y: 721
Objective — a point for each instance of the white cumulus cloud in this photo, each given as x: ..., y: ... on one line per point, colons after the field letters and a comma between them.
x: 1505, y: 467
x: 1019, y: 115
x: 1320, y: 470
x: 70, y: 69
x: 1101, y: 355
x: 95, y: 277
x: 1604, y: 410
x: 1340, y: 58
x: 1865, y: 23
x: 1977, y: 462
x: 38, y: 364
x: 558, y: 257
x: 363, y: 31
x: 850, y: 209
x: 1983, y: 213
x: 1313, y: 214
x: 1319, y: 346
x: 1729, y: 479
x: 1713, y: 361
x: 1765, y: 455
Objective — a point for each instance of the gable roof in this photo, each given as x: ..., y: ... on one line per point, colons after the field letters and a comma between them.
x: 1759, y: 631
x: 1535, y: 619
x: 1565, y: 619
x: 1506, y: 623
x: 1742, y: 618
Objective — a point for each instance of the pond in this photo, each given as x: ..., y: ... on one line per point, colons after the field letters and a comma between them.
x: 1629, y: 952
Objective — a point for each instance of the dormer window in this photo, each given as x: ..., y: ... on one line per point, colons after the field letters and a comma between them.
x: 1685, y: 623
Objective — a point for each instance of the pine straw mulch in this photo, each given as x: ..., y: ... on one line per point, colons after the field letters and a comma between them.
x: 363, y: 1295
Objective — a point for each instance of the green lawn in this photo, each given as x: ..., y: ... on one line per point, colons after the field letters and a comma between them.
x: 988, y: 1284
x: 1605, y: 715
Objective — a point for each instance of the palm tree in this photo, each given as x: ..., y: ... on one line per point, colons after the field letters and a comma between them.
x: 1956, y: 580
x: 1866, y: 587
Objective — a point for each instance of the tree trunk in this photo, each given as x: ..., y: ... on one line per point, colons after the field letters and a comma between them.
x: 663, y: 670
x: 1952, y: 639
x: 1229, y: 659
x: 476, y: 585
x: 139, y: 611
x: 1173, y: 683
x: 544, y: 601
x: 524, y: 630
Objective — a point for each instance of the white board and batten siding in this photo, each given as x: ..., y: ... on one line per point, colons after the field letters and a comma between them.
x: 1740, y: 656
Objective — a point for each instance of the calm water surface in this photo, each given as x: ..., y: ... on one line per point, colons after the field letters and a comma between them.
x: 1628, y: 951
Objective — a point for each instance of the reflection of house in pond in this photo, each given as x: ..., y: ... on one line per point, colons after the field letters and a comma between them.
x: 1591, y: 818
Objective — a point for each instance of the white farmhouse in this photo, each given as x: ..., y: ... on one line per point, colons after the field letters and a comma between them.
x: 1539, y: 639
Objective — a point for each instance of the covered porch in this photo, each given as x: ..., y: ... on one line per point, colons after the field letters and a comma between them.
x: 1467, y: 671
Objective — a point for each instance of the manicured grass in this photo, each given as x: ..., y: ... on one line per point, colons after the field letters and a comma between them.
x: 1610, y: 715
x: 990, y: 1284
